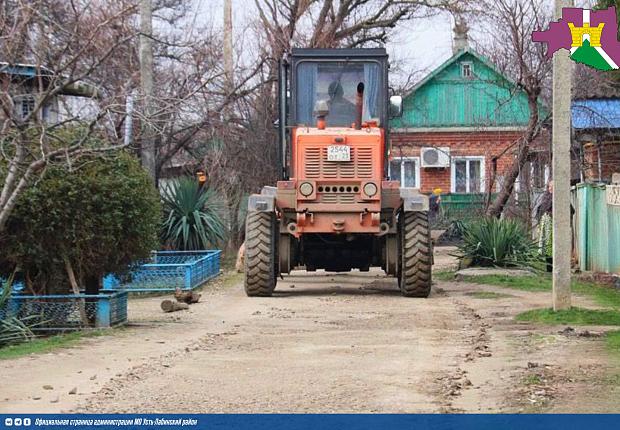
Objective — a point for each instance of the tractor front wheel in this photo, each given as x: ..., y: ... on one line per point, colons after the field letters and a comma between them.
x: 415, y: 259
x: 260, y: 254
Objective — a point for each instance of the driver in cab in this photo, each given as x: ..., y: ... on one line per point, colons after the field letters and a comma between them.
x: 341, y: 110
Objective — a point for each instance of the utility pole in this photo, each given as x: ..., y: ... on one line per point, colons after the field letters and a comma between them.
x: 147, y: 153
x: 562, y: 85
x: 228, y: 46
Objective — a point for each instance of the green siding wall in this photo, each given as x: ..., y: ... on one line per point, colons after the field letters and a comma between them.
x: 449, y: 100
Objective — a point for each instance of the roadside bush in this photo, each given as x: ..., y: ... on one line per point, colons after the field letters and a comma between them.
x: 497, y: 242
x: 95, y: 219
x: 192, y: 216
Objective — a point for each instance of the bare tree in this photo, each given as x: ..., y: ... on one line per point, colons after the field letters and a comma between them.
x: 507, y: 28
x: 61, y: 46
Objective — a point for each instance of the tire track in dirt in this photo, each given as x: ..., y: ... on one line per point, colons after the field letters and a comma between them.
x: 453, y: 384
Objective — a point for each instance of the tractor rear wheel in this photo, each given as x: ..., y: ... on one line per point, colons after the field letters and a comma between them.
x: 415, y: 260
x: 260, y: 254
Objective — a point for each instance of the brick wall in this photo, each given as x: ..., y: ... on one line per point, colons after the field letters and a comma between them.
x: 486, y: 144
x: 610, y: 161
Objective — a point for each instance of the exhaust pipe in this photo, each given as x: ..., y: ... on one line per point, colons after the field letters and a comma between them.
x: 359, y: 106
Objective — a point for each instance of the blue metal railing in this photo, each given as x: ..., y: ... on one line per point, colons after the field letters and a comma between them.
x: 68, y: 312
x: 169, y: 270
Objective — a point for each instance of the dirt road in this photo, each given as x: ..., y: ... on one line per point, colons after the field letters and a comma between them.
x: 325, y: 343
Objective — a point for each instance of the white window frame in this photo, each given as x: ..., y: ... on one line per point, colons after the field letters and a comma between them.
x: 471, y: 69
x: 402, y: 160
x: 467, y: 179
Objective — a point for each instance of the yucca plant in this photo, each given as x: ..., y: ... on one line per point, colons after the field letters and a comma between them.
x: 12, y: 329
x: 192, y: 218
x: 498, y: 242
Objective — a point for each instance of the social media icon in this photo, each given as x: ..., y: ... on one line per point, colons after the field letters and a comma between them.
x: 8, y: 422
x: 17, y: 422
x: 27, y: 422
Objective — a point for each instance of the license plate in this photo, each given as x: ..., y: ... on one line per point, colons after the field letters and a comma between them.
x: 338, y: 153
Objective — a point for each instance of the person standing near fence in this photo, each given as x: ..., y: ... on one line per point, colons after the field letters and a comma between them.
x: 545, y: 230
x: 434, y: 204
x: 543, y: 212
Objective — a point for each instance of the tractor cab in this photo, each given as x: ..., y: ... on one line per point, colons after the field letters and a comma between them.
x: 340, y: 91
x: 333, y: 88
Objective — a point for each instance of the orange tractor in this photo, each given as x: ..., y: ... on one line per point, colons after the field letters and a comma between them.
x: 335, y: 207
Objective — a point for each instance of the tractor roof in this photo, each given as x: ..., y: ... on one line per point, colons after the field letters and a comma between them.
x: 339, y: 53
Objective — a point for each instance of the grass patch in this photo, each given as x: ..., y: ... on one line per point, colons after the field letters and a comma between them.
x: 612, y: 339
x: 523, y: 283
x: 232, y: 279
x: 574, y: 316
x: 604, y: 296
x: 488, y: 295
x: 46, y: 344
x: 444, y: 275
x: 532, y: 380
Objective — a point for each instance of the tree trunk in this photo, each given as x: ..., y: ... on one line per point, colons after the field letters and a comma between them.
x: 91, y: 284
x: 76, y: 290
x: 531, y: 133
x: 496, y: 209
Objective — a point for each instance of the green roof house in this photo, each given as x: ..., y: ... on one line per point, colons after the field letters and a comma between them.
x: 458, y: 127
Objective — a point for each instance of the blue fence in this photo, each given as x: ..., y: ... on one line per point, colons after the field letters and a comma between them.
x: 68, y: 312
x: 169, y: 270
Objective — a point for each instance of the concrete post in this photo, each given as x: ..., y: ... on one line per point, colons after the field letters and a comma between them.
x: 228, y: 45
x: 562, y: 84
x: 148, y: 150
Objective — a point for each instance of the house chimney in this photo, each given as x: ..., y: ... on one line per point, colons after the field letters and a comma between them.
x: 461, y: 41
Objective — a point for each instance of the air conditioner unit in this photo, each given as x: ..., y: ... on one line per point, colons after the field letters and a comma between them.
x: 435, y: 157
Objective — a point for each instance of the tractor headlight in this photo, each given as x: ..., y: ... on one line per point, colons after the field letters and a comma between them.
x: 370, y: 189
x: 306, y: 189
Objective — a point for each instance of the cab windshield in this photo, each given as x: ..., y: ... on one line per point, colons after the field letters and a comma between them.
x: 336, y: 83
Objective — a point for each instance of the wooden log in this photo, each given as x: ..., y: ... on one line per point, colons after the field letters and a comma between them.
x: 195, y: 297
x: 172, y: 306
x: 188, y: 297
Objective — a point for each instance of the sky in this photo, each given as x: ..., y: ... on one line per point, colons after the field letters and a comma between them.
x: 420, y: 45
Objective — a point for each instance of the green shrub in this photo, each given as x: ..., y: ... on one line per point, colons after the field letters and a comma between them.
x: 99, y: 217
x: 498, y: 242
x: 192, y: 217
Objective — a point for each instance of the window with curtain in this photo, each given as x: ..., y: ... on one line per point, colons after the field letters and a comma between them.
x: 336, y: 83
x: 405, y: 170
x: 468, y: 175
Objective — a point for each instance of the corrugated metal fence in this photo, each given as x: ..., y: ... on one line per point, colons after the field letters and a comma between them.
x: 596, y: 227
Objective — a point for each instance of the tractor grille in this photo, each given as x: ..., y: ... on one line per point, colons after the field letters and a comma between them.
x: 317, y: 166
x: 338, y: 198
